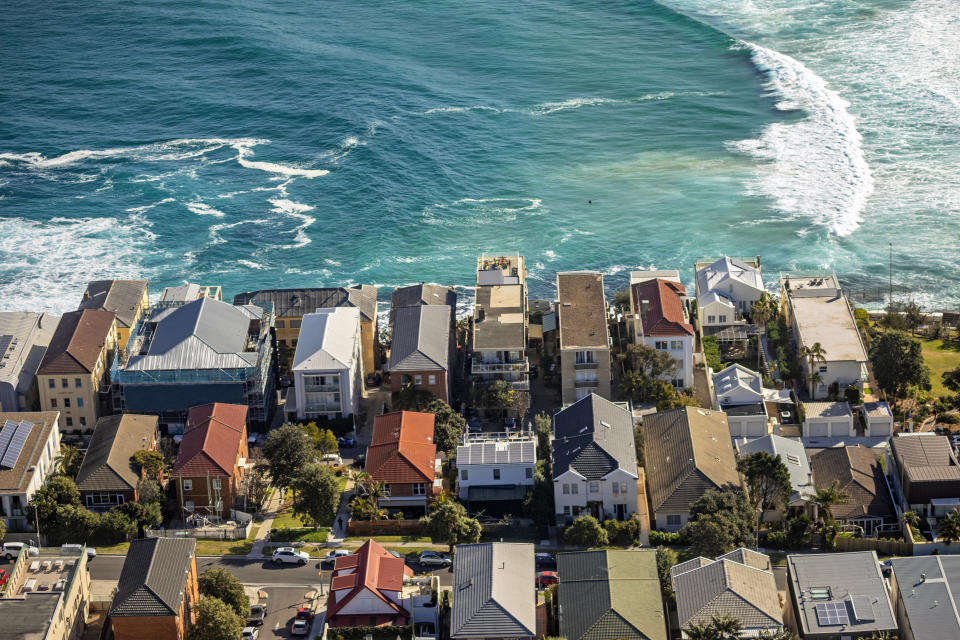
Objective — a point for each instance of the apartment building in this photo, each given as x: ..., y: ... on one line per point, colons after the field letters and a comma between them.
x: 584, y: 336
x: 500, y: 322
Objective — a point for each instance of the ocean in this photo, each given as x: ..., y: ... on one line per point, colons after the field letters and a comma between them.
x: 293, y: 143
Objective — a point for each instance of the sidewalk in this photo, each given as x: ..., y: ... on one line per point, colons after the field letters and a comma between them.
x: 269, y: 510
x: 338, y: 532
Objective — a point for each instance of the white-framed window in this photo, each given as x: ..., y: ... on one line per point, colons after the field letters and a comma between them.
x: 419, y: 489
x: 78, y: 382
x: 566, y: 489
x: 66, y: 403
x: 216, y: 484
x: 673, y: 519
x: 723, y: 317
x: 386, y: 490
x: 52, y: 383
x: 528, y: 472
x: 662, y: 345
x: 417, y: 380
x: 188, y: 484
x: 574, y: 489
x: 594, y: 487
x: 464, y: 475
x: 586, y: 357
x: 711, y: 319
x: 676, y: 344
x: 69, y: 421
x: 496, y: 474
x: 79, y: 403
x: 188, y: 505
x: 64, y: 383
x: 677, y: 383
x: 566, y: 509
x: 619, y: 487
x: 83, y: 421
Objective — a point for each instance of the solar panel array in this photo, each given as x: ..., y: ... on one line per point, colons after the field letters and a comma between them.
x: 832, y: 613
x: 12, y: 438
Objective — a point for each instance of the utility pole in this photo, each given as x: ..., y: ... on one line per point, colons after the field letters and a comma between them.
x: 890, y: 299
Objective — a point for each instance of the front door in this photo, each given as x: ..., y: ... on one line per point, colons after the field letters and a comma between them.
x: 621, y: 511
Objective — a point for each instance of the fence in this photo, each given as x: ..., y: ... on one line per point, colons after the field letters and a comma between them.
x: 882, y: 547
x: 384, y: 528
x: 216, y: 533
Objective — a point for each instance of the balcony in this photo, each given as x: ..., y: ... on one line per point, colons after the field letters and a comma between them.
x: 322, y: 408
x: 519, y: 385
x: 585, y: 365
x: 322, y: 388
x: 586, y: 384
x: 500, y: 367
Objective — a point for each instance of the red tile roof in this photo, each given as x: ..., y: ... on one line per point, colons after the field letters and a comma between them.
x: 373, y: 569
x: 402, y: 449
x: 212, y: 440
x: 77, y: 343
x: 664, y: 315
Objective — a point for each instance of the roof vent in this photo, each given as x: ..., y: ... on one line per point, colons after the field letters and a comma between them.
x: 603, y: 423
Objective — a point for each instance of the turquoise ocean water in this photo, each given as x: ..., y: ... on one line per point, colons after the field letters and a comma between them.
x: 307, y: 144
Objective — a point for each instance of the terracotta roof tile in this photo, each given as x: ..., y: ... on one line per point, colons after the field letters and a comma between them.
x: 402, y: 449
x: 664, y: 315
x: 78, y: 341
x: 374, y: 569
x: 212, y: 440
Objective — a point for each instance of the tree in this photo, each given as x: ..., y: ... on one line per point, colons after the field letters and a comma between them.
x: 911, y: 519
x: 538, y: 503
x: 813, y: 354
x: 69, y: 523
x: 826, y: 498
x: 898, y: 363
x: 498, y: 395
x: 59, y: 491
x: 719, y: 628
x: 448, y: 425
x: 288, y: 450
x: 760, y: 312
x: 951, y: 379
x: 768, y: 482
x: 666, y: 558
x: 112, y: 527
x: 143, y: 515
x: 586, y: 532
x: 913, y: 317
x: 948, y: 530
x: 411, y: 398
x: 782, y: 634
x: 719, y: 522
x: 448, y: 522
x: 257, y: 483
x: 542, y: 424
x: 316, y: 494
x: 224, y: 586
x: 327, y: 442
x: 3, y: 529
x: 215, y: 620
x: 149, y: 491
x: 521, y: 404
x: 152, y: 462
x: 69, y: 461
x: 621, y: 300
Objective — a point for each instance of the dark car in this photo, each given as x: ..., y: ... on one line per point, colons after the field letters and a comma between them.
x: 346, y: 441
x: 546, y: 579
x: 374, y: 380
x: 360, y: 461
x: 545, y: 562
x: 304, y: 613
x: 258, y: 613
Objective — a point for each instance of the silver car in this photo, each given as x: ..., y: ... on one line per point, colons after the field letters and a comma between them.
x: 289, y: 555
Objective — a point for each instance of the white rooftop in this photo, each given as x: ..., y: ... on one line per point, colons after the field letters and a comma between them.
x: 327, y: 339
x: 724, y: 269
x: 823, y: 315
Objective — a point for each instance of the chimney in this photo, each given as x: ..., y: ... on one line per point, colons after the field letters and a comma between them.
x: 923, y: 578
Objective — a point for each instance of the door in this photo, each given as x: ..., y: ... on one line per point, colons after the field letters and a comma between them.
x: 621, y: 511
x: 817, y: 429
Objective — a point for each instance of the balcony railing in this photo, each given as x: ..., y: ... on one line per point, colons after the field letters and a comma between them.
x: 581, y: 384
x: 585, y: 365
x: 500, y: 367
x: 322, y: 387
x: 519, y: 385
x: 314, y: 408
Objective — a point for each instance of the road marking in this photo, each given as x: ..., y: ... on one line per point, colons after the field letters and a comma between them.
x: 291, y: 585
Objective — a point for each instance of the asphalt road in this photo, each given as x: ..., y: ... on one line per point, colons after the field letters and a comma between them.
x: 282, y: 604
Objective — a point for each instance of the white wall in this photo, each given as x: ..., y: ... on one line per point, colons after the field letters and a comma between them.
x: 365, y: 602
x: 660, y: 520
x: 716, y: 309
x: 604, y: 495
x: 879, y: 426
x: 747, y: 426
x: 511, y: 475
x: 836, y: 427
x: 684, y: 355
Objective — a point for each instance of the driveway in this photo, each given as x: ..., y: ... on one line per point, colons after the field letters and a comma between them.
x: 282, y: 604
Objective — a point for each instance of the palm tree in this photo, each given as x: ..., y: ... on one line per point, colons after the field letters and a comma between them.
x: 948, y: 530
x: 911, y: 519
x: 781, y: 634
x: 727, y: 627
x: 813, y: 355
x: 701, y: 632
x: 761, y: 311
x: 826, y: 498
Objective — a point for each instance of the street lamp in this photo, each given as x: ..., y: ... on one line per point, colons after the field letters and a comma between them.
x: 36, y: 515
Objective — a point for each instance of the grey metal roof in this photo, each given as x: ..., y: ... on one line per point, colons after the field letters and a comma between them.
x: 493, y: 591
x: 593, y: 436
x: 712, y: 276
x: 506, y: 451
x: 203, y: 334
x: 845, y: 575
x: 748, y: 557
x: 424, y: 293
x: 24, y: 337
x: 108, y: 463
x: 420, y: 338
x: 299, y: 302
x: 610, y: 594
x: 727, y: 587
x: 122, y: 297
x: 857, y: 471
x: 929, y: 590
x: 153, y: 578
x: 928, y: 466
x: 689, y: 565
x: 29, y: 617
x: 793, y: 456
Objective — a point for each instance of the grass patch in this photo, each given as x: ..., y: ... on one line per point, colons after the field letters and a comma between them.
x: 414, y: 551
x: 114, y: 549
x: 300, y: 534
x: 778, y: 559
x: 382, y: 539
x: 941, y: 356
x: 206, y: 547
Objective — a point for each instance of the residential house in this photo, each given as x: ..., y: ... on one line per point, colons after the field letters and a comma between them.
x: 594, y: 461
x: 291, y: 305
x: 29, y: 447
x: 926, y: 596
x: 738, y: 392
x: 186, y: 354
x: 74, y: 375
x: 828, y: 419
x: 24, y: 337
x: 835, y: 596
x: 927, y: 475
x: 878, y: 418
x: 327, y: 366
x: 500, y: 322
x: 126, y: 299
x: 739, y: 584
x: 688, y: 452
x: 108, y: 476
x: 46, y: 597
x: 211, y: 460
x: 584, y: 337
x: 610, y: 594
x: 794, y: 458
x: 819, y: 313
x: 658, y: 318
x: 726, y: 290
x: 422, y: 350
x: 366, y: 589
x: 493, y: 591
x: 858, y: 472
x: 496, y: 467
x: 157, y: 591
x: 188, y: 292
x: 425, y: 294
x: 403, y: 456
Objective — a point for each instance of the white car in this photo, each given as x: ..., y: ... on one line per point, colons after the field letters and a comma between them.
x: 289, y: 555
x: 76, y: 549
x: 337, y: 553
x: 249, y: 633
x: 434, y: 559
x: 11, y: 550
x: 299, y: 628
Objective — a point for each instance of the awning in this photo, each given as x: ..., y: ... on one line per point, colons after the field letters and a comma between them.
x: 945, y: 502
x: 496, y: 493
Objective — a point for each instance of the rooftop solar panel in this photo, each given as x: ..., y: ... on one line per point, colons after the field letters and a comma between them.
x: 832, y: 614
x: 19, y: 439
x: 6, y: 435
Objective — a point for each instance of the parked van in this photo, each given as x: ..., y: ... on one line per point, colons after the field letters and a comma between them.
x: 11, y: 550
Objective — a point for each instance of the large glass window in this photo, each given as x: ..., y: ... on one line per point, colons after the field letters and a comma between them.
x: 419, y: 489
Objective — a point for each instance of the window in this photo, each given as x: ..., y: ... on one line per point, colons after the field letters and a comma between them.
x: 723, y: 318
x: 386, y: 490
x: 77, y: 382
x: 69, y: 422
x: 64, y: 383
x: 823, y: 369
x: 216, y: 483
x: 673, y: 519
x: 528, y: 472
x: 79, y: 403
x: 566, y: 489
x: 574, y: 489
x: 294, y: 342
x: 676, y: 344
x: 585, y: 357
x: 431, y: 379
x: 282, y: 342
x: 619, y: 487
x: 661, y: 345
x: 188, y: 505
x: 419, y: 489
x: 417, y: 380
x: 566, y: 510
x: 52, y: 383
x: 496, y: 474
x: 295, y: 324
x: 464, y: 475
x: 711, y: 319
x: 53, y: 402
x: 66, y: 403
x: 188, y: 485
x: 677, y: 383
x: 280, y: 324
x: 83, y: 421
x: 594, y: 487
x: 373, y: 621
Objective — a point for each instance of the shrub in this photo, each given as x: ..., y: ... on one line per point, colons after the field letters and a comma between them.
x: 948, y: 418
x: 623, y: 534
x: 658, y: 538
x: 776, y: 540
x: 711, y: 351
x: 388, y: 632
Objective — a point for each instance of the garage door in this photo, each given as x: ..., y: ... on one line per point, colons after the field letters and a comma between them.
x: 817, y: 429
x: 879, y: 429
x: 757, y: 428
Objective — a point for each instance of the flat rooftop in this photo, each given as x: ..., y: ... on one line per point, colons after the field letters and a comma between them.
x: 27, y: 617
x: 46, y: 573
x: 499, y: 319
x: 757, y: 409
x: 827, y: 410
x: 582, y: 309
x: 501, y: 270
x: 822, y: 315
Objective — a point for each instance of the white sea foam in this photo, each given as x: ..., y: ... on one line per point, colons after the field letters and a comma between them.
x: 546, y: 108
x: 480, y: 211
x: 476, y: 107
x: 296, y: 210
x: 245, y: 152
x: 332, y: 263
x: 816, y: 166
x: 252, y: 265
x: 147, y: 207
x: 203, y: 209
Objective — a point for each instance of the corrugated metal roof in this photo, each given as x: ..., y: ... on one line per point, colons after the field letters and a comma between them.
x: 122, y: 297
x: 512, y: 451
x: 793, y: 456
x: 295, y: 303
x: 929, y: 594
x: 493, y: 591
x: 593, y: 436
x: 327, y: 340
x: 724, y: 269
x: 420, y: 338
x: 425, y: 293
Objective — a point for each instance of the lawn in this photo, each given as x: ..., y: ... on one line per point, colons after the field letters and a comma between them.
x: 941, y: 356
x: 387, y: 539
x: 205, y: 546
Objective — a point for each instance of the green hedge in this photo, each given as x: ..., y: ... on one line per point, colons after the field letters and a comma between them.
x: 388, y: 632
x: 711, y: 351
x: 663, y: 537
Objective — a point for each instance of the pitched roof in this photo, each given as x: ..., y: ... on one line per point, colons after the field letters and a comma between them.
x: 299, y: 302
x: 212, y: 440
x: 582, y: 310
x: 664, y: 315
x: 154, y: 577
x: 793, y: 456
x: 327, y: 340
x: 24, y: 337
x: 108, y: 463
x: 727, y: 270
x: 402, y: 449
x: 493, y: 594
x: 420, y: 338
x: 858, y: 472
x: 424, y: 293
x: 122, y: 297
x: 610, y: 594
x: 748, y: 557
x: 688, y: 451
x: 506, y: 451
x: 78, y: 342
x: 593, y: 436
x: 728, y: 587
x: 371, y: 568
x: 737, y: 376
x: 19, y: 478
x: 928, y: 465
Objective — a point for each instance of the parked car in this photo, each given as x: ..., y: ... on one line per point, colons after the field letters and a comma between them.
x: 303, y: 613
x: 336, y: 553
x: 249, y: 633
x: 289, y: 555
x: 546, y: 578
x: 332, y: 459
x: 955, y: 440
x: 3, y: 577
x: 545, y: 562
x: 346, y: 441
x: 11, y: 550
x: 299, y: 627
x: 75, y: 549
x: 533, y: 371
x: 360, y: 461
x: 434, y: 559
x: 258, y: 614
x: 886, y: 567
